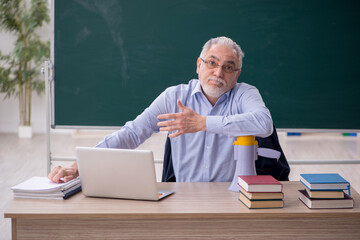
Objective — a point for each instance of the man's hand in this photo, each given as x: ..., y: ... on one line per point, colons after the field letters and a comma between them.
x: 187, y: 121
x: 60, y: 174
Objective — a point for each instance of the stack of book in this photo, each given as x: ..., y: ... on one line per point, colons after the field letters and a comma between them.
x: 44, y: 188
x: 325, y: 190
x: 261, y: 191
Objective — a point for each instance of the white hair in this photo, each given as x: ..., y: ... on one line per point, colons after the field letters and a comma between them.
x: 224, y: 41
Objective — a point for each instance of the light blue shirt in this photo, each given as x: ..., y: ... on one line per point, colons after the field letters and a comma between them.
x: 203, y: 156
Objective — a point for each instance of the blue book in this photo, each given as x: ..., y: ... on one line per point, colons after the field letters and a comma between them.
x: 71, y: 192
x: 324, y: 181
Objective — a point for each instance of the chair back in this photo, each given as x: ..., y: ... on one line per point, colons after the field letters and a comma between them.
x: 264, y: 166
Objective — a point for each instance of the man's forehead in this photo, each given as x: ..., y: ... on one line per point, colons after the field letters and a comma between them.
x: 222, y: 52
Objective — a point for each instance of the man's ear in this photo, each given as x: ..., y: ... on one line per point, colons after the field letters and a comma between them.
x: 238, y: 74
x: 198, y: 62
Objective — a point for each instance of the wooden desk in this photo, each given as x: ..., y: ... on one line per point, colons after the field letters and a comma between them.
x: 195, y: 211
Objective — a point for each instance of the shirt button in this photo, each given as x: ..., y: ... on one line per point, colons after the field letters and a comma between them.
x: 206, y: 167
x: 207, y: 147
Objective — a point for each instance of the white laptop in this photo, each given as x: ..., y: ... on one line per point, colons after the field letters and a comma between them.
x: 118, y: 173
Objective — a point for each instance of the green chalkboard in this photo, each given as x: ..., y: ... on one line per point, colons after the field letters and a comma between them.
x: 112, y: 58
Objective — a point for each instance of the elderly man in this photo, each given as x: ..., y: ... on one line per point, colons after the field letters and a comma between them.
x: 202, y: 117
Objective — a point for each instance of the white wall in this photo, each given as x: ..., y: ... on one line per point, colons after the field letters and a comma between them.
x: 9, y: 109
x: 9, y: 114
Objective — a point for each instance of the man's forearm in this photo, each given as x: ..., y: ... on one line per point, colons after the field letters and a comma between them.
x: 253, y: 123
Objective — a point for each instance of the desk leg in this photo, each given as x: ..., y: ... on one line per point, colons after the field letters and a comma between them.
x: 13, y: 229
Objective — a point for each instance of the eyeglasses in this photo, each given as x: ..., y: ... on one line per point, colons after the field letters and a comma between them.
x: 228, y: 68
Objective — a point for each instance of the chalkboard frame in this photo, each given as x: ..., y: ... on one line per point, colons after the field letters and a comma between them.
x: 53, y: 90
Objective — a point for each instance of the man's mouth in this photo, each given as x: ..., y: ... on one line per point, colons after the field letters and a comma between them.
x: 216, y: 82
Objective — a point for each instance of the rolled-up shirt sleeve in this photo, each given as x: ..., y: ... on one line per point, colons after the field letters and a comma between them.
x: 253, y: 117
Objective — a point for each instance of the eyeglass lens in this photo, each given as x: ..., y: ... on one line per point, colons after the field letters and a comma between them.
x: 211, y: 63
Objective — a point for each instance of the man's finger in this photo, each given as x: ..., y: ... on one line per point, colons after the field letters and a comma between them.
x: 68, y: 171
x: 168, y: 129
x: 165, y: 123
x: 167, y: 116
x: 68, y: 178
x: 175, y: 134
x: 57, y: 178
x: 54, y: 172
x: 181, y: 106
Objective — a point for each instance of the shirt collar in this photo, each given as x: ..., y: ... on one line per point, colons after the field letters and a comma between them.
x: 197, y: 88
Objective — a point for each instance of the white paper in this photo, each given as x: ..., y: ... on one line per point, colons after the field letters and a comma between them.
x: 269, y: 153
x: 43, y: 184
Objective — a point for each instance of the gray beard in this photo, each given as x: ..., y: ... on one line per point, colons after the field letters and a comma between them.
x: 214, y: 92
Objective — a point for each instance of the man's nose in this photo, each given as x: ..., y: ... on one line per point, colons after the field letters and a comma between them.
x: 218, y: 71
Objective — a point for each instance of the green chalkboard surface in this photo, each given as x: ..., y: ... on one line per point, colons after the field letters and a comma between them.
x: 112, y: 58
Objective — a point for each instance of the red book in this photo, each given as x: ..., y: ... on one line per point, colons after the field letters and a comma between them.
x: 260, y: 183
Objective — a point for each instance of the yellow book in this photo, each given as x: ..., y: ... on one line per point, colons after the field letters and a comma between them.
x: 325, y: 194
x: 262, y: 195
x: 263, y: 203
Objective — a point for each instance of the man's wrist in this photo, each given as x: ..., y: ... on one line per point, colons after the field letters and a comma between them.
x: 203, y: 123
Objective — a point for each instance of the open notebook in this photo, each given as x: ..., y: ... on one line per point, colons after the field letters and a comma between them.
x: 118, y: 173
